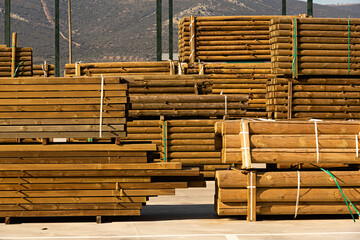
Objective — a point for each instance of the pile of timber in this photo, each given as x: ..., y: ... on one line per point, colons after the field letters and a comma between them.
x: 331, y: 143
x: 315, y: 46
x: 313, y: 97
x: 237, y: 78
x: 224, y: 38
x: 84, y: 179
x: 188, y: 105
x: 13, y: 58
x: 62, y: 107
x: 251, y: 193
x: 140, y: 85
x: 191, y: 142
x: 120, y: 68
x: 43, y: 70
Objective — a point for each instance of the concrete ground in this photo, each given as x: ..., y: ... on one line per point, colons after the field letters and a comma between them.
x: 188, y: 215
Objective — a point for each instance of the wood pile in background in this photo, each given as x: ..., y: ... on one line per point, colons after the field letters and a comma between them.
x: 22, y: 57
x: 191, y: 142
x: 237, y: 78
x: 254, y: 193
x: 289, y: 142
x: 62, y: 107
x: 43, y: 70
x: 315, y: 46
x: 84, y: 179
x: 313, y: 97
x: 119, y: 68
x: 224, y: 38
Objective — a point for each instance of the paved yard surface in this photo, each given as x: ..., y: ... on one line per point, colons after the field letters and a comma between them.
x: 189, y: 215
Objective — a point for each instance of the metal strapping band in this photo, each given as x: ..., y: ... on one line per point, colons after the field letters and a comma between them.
x: 101, y: 105
x: 251, y: 195
x: 297, y: 196
x: 317, y: 143
x: 357, y: 145
x: 247, y: 163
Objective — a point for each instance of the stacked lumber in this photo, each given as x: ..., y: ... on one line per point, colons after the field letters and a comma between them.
x: 251, y: 193
x: 188, y: 105
x: 84, y: 179
x: 224, y: 38
x: 119, y: 68
x: 62, y: 107
x: 191, y: 142
x: 237, y: 78
x: 331, y: 143
x: 313, y: 97
x: 44, y: 70
x: 140, y: 85
x: 315, y: 46
x: 22, y: 59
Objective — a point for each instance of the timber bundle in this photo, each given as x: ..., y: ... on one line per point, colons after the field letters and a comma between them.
x: 43, y: 70
x: 85, y: 179
x: 63, y: 107
x: 224, y: 38
x: 15, y: 61
x: 313, y: 97
x: 251, y: 193
x: 315, y: 46
x: 118, y: 68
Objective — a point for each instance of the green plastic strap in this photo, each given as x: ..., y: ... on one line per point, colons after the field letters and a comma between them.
x: 164, y: 143
x: 295, y: 45
x: 346, y: 199
x: 16, y: 70
x: 348, y: 46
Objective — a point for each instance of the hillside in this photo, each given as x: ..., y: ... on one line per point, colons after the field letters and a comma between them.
x: 124, y: 30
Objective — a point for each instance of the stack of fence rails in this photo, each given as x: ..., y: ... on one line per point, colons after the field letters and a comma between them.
x: 120, y: 68
x: 140, y: 85
x: 238, y: 78
x: 224, y: 38
x: 188, y: 105
x: 83, y: 179
x: 329, y: 143
x: 43, y: 70
x: 62, y: 107
x: 276, y: 193
x: 315, y: 46
x: 314, y: 97
x: 22, y: 57
x: 189, y: 141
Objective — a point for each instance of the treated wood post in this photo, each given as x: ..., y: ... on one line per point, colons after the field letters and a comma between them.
x: 13, y: 54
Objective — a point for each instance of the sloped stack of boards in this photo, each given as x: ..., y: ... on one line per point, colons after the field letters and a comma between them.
x: 332, y: 143
x: 13, y: 58
x: 119, y: 68
x: 313, y: 97
x: 237, y: 78
x: 251, y: 193
x: 315, y: 46
x: 62, y: 107
x: 84, y: 179
x: 224, y: 38
x: 191, y: 142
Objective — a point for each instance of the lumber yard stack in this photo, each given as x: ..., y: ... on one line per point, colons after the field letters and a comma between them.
x: 315, y: 46
x: 237, y: 78
x: 295, y: 144
x: 76, y: 179
x: 257, y: 193
x: 63, y: 107
x: 43, y: 70
x: 119, y: 68
x: 15, y: 61
x: 224, y: 38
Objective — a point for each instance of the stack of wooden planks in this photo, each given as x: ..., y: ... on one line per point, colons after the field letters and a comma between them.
x: 141, y: 85
x: 43, y: 70
x: 237, y: 78
x: 62, y: 107
x: 332, y: 143
x: 84, y: 179
x: 313, y: 97
x: 224, y: 38
x: 120, y: 68
x: 251, y: 193
x: 13, y: 58
x: 315, y: 46
x: 189, y: 141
